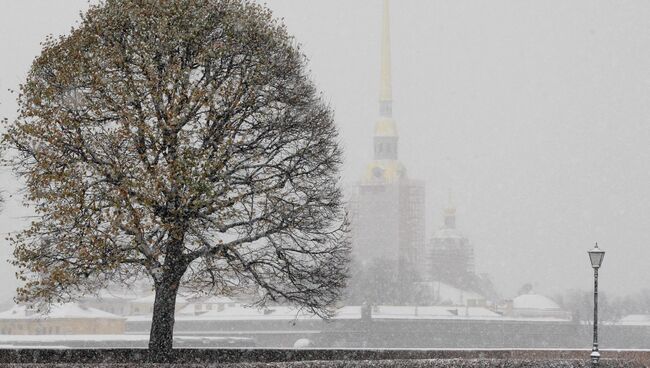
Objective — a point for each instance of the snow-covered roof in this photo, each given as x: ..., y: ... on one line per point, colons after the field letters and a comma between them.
x: 212, y: 300
x: 243, y: 313
x: 635, y: 320
x: 9, y: 339
x: 534, y: 301
x: 58, y: 311
x: 389, y: 311
x: 447, y: 293
x: 151, y: 298
x: 190, y: 308
x: 447, y: 233
x: 444, y: 292
x: 348, y: 312
x: 271, y: 313
x: 114, y: 294
x: 381, y: 312
x: 430, y: 312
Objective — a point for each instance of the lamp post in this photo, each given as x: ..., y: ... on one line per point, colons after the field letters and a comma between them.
x: 596, y: 256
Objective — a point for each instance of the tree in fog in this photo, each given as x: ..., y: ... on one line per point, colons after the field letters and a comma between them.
x: 636, y: 303
x: 379, y: 282
x: 580, y: 304
x: 182, y: 140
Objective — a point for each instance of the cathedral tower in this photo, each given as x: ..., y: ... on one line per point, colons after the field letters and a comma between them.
x: 388, y: 208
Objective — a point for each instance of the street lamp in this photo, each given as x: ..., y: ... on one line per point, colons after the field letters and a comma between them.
x: 596, y: 256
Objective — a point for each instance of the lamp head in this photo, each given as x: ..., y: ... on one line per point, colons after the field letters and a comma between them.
x: 596, y: 256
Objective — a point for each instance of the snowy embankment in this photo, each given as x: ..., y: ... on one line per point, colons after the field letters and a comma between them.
x: 426, y: 363
x: 326, y: 358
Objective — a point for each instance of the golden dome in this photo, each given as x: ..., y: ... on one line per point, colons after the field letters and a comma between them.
x: 384, y: 171
x: 385, y: 127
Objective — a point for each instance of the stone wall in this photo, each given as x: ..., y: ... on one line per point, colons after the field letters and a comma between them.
x: 63, y: 326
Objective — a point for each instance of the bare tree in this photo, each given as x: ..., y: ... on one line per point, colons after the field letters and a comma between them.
x: 183, y: 140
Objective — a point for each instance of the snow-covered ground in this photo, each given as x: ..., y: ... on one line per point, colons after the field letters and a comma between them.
x: 429, y: 363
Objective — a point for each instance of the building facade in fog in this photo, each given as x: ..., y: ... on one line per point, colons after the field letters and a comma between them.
x: 63, y: 319
x: 388, y: 208
x: 451, y: 256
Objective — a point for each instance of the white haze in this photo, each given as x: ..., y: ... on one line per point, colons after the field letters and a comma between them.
x: 535, y: 114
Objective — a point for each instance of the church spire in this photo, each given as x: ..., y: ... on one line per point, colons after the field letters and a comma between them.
x: 385, y: 129
x: 386, y: 166
x: 386, y: 93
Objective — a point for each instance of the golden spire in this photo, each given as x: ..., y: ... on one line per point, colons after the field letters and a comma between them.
x: 386, y: 167
x: 386, y: 94
x: 386, y: 126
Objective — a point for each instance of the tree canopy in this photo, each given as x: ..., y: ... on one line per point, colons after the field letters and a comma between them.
x: 184, y: 141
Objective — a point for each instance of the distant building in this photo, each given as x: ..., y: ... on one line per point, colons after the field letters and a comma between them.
x: 117, y: 302
x: 533, y: 305
x: 139, y: 301
x: 203, y: 305
x: 64, y: 319
x: 387, y: 209
x: 442, y: 294
x: 635, y: 320
x: 451, y: 256
x: 144, y: 305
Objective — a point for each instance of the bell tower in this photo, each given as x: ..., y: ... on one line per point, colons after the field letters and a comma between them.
x: 387, y: 210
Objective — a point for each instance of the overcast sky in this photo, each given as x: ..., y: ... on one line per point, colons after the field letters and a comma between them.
x: 535, y: 114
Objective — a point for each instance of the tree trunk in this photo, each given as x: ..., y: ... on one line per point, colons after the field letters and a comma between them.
x: 161, y: 337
